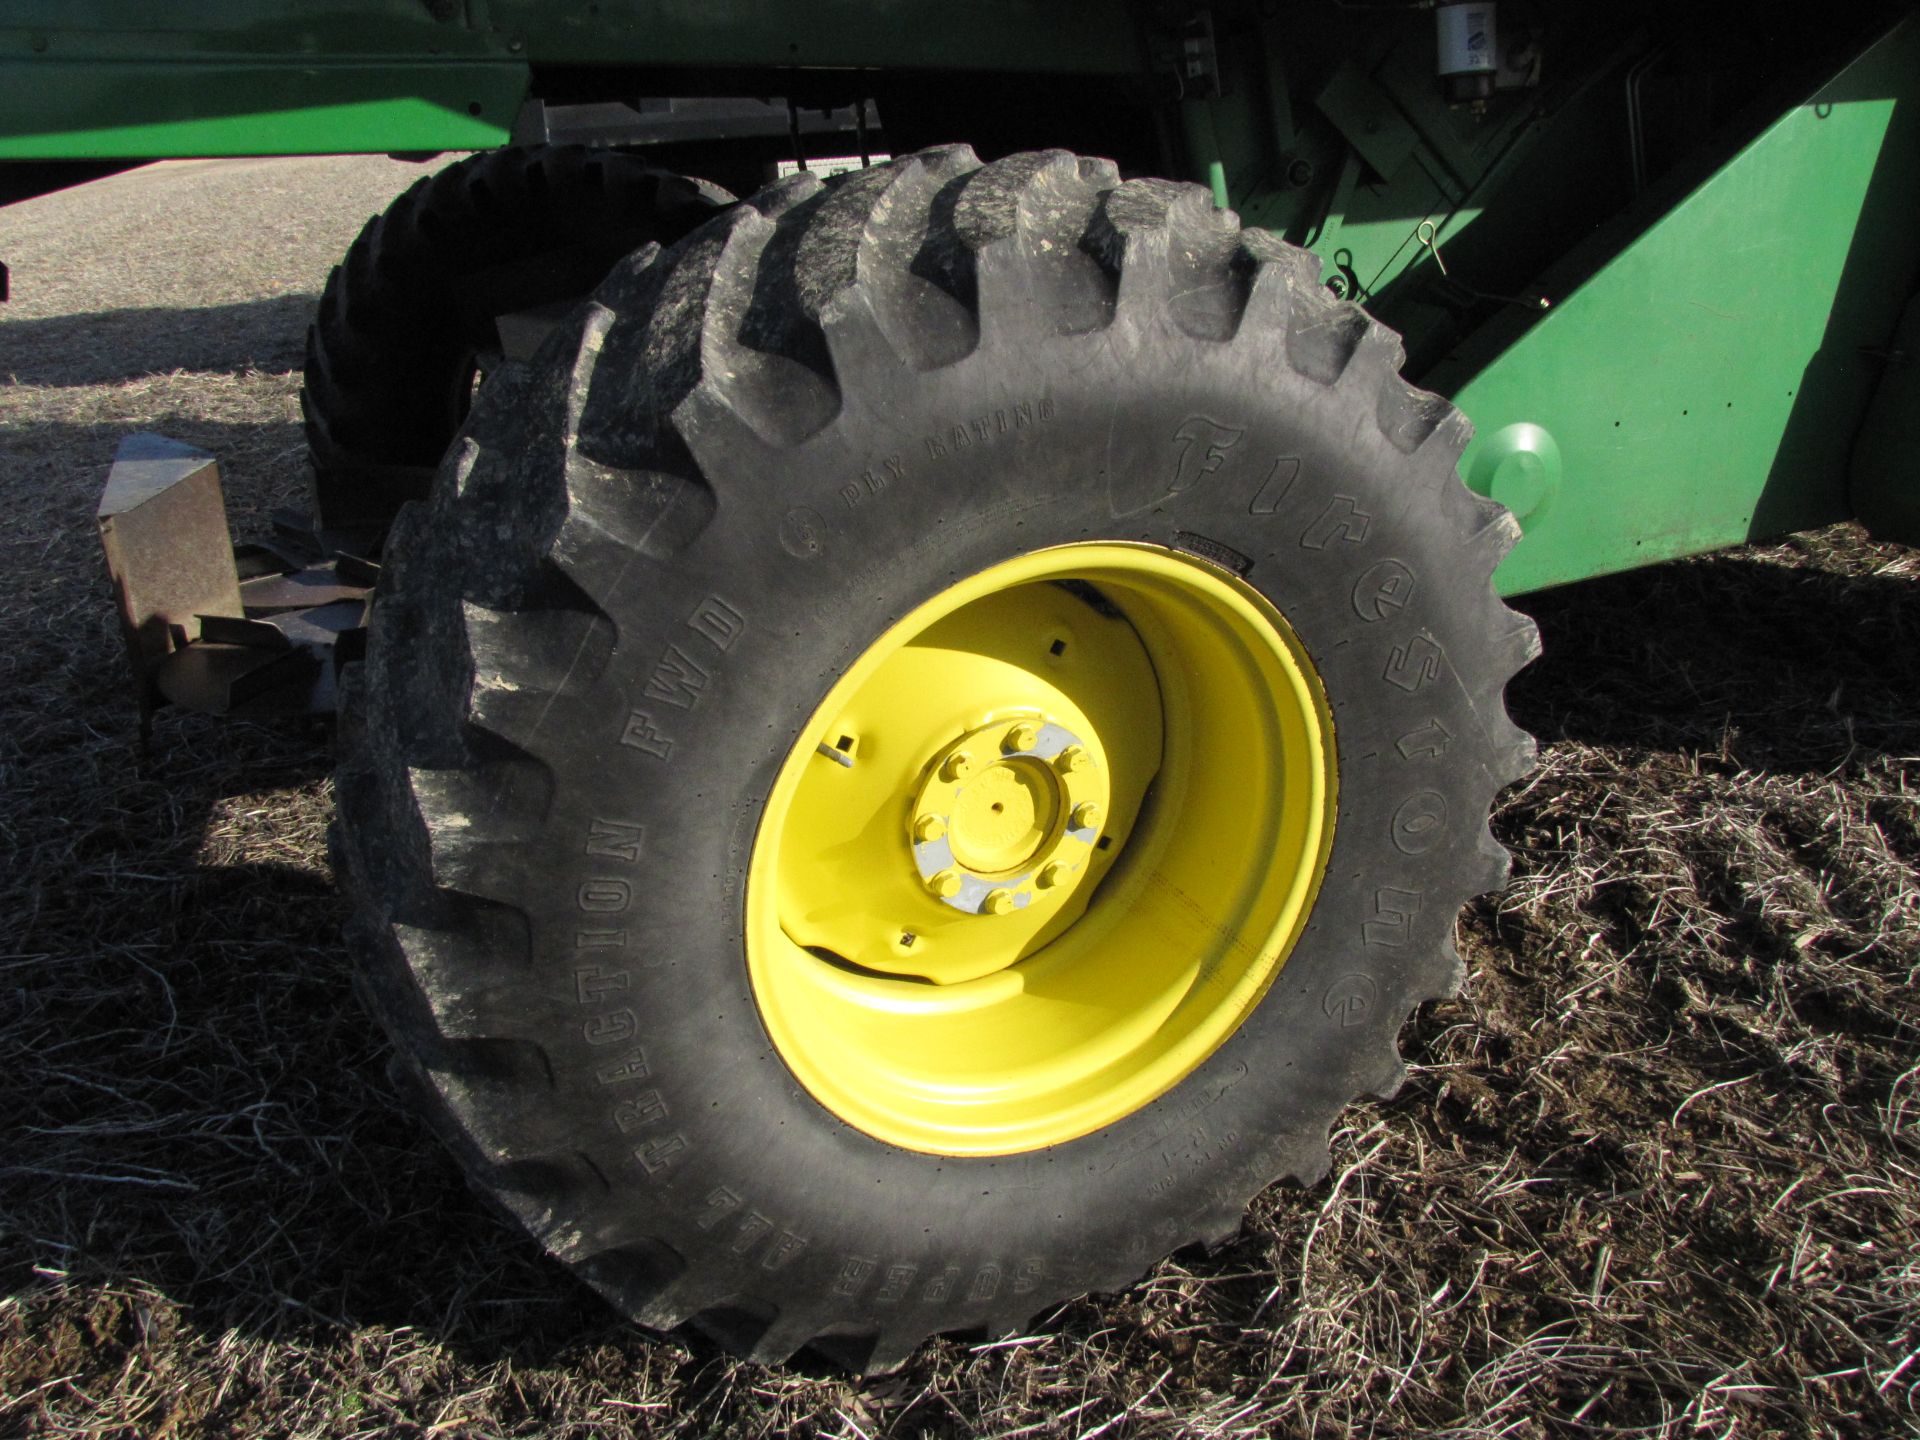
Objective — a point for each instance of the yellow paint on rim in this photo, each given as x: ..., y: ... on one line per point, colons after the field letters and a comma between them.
x: 943, y: 953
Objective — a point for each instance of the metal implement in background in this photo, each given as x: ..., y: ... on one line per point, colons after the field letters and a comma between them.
x: 254, y: 631
x: 385, y: 75
x: 670, y: 120
x: 1726, y: 236
x: 163, y: 524
x: 1724, y: 229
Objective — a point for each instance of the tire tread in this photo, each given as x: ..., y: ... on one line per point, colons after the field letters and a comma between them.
x: 735, y: 337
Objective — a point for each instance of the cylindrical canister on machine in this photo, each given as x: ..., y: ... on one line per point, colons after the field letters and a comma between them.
x: 1469, y: 53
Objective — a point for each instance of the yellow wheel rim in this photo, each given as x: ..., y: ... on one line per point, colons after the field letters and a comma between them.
x: 1041, y: 850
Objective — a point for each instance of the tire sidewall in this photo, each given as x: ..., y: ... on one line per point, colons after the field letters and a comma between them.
x: 1142, y: 434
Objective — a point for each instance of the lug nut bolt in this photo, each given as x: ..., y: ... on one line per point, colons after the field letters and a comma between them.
x: 1021, y: 737
x: 998, y: 902
x: 957, y: 766
x: 1072, y: 758
x: 946, y: 884
x: 929, y: 827
x: 1086, y: 815
x: 1052, y: 875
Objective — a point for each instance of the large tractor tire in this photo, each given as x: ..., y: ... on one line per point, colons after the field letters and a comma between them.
x: 925, y: 749
x: 407, y: 319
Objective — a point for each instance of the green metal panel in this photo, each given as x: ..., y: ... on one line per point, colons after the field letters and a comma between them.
x: 256, y: 29
x: 103, y: 78
x: 1703, y: 387
x: 132, y: 109
x: 96, y: 78
x: 1081, y: 36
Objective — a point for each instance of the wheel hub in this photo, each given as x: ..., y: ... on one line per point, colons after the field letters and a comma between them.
x: 1008, y: 816
x: 1040, y: 849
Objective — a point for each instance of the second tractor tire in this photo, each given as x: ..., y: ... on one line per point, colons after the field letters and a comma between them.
x: 765, y: 582
x: 394, y: 347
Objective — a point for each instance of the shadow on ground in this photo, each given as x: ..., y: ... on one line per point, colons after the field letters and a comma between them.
x: 1753, y: 659
x: 111, y: 346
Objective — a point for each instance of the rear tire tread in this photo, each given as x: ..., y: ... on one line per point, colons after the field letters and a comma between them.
x: 418, y: 286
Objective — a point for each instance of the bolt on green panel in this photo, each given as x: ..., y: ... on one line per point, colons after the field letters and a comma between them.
x: 1703, y: 388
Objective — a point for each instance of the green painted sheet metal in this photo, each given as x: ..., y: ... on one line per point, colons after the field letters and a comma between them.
x: 86, y: 78
x: 1704, y: 386
x: 1081, y: 36
x: 131, y: 109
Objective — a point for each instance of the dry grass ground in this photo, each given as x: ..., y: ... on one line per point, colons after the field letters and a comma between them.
x: 1656, y: 1173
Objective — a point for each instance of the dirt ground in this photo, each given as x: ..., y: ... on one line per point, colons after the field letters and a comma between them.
x: 1656, y: 1173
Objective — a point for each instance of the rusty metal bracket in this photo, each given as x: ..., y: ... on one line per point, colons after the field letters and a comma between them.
x: 255, y: 632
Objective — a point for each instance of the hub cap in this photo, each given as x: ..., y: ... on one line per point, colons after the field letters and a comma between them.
x: 1016, y: 829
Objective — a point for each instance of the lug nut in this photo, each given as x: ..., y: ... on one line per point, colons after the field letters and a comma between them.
x: 957, y: 766
x: 946, y: 884
x: 1021, y: 737
x: 998, y: 902
x: 929, y: 827
x: 1072, y: 758
x: 1086, y: 815
x: 1052, y: 875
